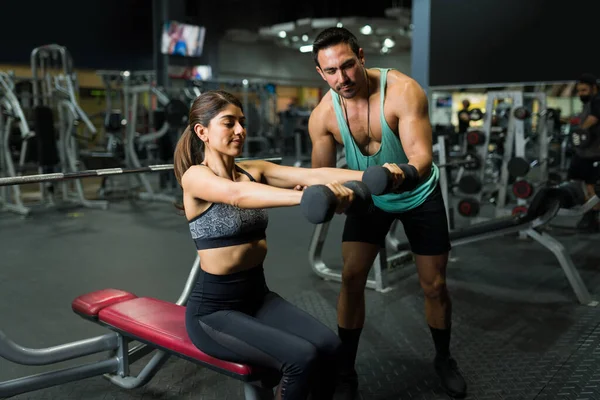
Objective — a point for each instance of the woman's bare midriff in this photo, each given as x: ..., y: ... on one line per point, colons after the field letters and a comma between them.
x: 227, y: 260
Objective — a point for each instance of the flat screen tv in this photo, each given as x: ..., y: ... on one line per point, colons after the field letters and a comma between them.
x: 183, y: 40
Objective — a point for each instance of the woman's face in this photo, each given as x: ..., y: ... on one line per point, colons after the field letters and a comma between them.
x: 226, y: 132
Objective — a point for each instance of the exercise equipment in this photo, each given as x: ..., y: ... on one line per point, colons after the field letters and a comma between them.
x: 156, y: 325
x: 131, y: 90
x: 544, y: 207
x: 54, y: 86
x: 468, y: 207
x: 21, y: 180
x: 522, y: 189
x: 12, y: 114
x: 318, y: 202
x: 259, y: 101
x: 470, y: 184
x: 547, y: 203
x: 473, y: 115
x: 521, y: 113
x: 475, y: 138
x: 518, y: 167
x: 386, y: 267
x: 379, y: 180
x: 519, y: 210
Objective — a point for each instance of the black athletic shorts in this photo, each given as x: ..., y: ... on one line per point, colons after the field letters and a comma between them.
x: 583, y: 169
x: 425, y: 226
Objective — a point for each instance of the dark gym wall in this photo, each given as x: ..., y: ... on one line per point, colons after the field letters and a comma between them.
x: 490, y: 41
x: 100, y: 34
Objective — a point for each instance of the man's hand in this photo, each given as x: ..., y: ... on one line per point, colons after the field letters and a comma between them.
x: 397, y: 174
x: 300, y: 188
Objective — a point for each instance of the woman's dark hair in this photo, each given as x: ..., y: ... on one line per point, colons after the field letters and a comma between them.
x: 190, y: 149
x: 332, y: 36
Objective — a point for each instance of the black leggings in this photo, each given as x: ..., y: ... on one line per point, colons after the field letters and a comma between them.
x: 237, y: 318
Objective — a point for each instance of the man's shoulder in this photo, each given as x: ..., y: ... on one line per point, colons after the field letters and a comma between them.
x: 398, y: 81
x: 324, y: 107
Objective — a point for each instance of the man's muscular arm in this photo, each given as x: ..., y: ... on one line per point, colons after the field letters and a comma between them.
x: 323, y: 143
x: 414, y: 125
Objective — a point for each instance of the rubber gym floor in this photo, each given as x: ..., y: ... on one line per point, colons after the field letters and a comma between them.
x: 518, y: 331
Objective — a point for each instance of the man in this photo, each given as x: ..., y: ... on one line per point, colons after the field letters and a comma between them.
x: 381, y: 116
x: 464, y: 120
x: 584, y: 165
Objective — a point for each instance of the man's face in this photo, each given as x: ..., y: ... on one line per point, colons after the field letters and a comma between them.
x: 583, y: 89
x: 586, y: 92
x: 342, y: 69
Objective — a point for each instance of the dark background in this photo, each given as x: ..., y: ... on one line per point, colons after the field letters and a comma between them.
x: 487, y: 41
x: 472, y: 41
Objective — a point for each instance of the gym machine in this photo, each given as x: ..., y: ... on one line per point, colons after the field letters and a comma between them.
x: 259, y: 101
x: 54, y: 86
x: 128, y: 87
x: 12, y: 114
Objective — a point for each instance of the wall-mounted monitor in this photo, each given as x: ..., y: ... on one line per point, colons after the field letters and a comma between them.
x: 182, y: 39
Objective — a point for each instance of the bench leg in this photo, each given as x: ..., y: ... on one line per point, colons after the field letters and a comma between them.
x: 253, y: 392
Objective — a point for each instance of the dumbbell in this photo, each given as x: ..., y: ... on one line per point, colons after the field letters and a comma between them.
x: 318, y: 202
x: 379, y: 180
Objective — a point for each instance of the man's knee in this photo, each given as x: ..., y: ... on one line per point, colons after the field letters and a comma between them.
x: 354, y: 276
x: 434, y: 288
x: 358, y: 259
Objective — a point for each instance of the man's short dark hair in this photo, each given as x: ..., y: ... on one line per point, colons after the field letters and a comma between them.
x: 332, y: 36
x: 589, y: 79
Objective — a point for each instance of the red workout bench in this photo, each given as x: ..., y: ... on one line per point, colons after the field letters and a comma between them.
x: 161, y: 325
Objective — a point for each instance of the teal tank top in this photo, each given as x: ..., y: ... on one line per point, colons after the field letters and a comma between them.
x: 391, y: 151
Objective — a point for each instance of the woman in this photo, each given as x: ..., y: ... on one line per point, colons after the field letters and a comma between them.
x: 231, y: 314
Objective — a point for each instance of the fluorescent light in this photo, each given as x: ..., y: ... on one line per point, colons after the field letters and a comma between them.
x: 282, y: 34
x: 306, y: 49
x: 366, y: 30
x: 389, y: 42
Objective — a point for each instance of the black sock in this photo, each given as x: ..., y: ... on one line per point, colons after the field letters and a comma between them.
x: 441, y: 340
x: 350, y: 339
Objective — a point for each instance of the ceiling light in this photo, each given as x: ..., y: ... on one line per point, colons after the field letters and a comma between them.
x: 305, y: 38
x: 339, y: 25
x: 306, y: 49
x: 389, y: 42
x: 385, y: 50
x: 366, y: 30
x: 282, y: 34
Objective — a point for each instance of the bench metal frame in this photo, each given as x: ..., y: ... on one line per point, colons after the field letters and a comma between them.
x: 121, y: 353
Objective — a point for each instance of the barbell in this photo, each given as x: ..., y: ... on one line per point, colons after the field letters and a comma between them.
x: 63, y: 176
x: 470, y: 161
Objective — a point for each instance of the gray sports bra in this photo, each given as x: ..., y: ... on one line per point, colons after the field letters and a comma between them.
x: 223, y: 225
